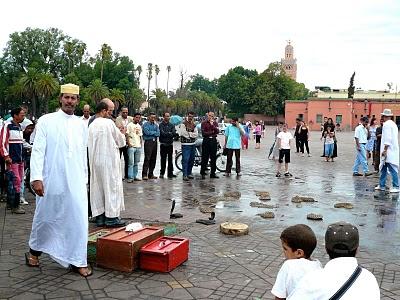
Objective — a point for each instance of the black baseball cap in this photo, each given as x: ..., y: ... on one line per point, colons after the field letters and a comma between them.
x: 341, y: 238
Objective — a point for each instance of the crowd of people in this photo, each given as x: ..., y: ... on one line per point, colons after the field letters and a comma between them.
x: 75, y: 161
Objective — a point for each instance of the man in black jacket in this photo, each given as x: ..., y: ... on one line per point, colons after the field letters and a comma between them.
x: 167, y: 133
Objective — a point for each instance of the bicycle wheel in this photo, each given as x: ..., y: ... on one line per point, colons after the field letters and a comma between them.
x: 178, y: 161
x: 221, y: 162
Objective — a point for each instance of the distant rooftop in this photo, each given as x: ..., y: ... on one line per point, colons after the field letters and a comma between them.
x: 327, y: 92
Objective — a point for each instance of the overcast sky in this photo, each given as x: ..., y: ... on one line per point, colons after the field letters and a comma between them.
x: 331, y: 39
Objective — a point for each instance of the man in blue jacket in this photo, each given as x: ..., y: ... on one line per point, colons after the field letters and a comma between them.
x: 150, y: 134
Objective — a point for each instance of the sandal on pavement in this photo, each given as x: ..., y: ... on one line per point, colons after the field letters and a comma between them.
x: 30, y: 261
x: 83, y: 271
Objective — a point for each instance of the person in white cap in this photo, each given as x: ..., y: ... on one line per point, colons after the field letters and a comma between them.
x: 389, y: 152
x: 59, y: 177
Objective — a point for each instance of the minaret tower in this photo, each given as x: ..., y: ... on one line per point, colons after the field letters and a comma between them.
x: 289, y: 63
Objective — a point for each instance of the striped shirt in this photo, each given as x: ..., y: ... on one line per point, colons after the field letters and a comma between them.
x: 12, y: 141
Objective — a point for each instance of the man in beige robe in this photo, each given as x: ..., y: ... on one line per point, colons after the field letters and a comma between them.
x: 106, y: 190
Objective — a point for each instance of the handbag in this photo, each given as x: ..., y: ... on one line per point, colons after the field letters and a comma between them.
x: 347, y: 284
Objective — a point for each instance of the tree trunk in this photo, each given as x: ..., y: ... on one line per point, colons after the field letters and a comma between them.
x: 167, y: 84
x: 101, y: 71
x: 148, y: 92
x: 34, y: 107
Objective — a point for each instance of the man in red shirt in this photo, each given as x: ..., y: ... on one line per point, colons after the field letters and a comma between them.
x: 209, y: 129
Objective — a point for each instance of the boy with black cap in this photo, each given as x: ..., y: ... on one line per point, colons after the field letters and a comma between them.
x: 342, y: 277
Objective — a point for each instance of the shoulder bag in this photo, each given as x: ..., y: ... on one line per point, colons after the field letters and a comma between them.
x: 347, y: 284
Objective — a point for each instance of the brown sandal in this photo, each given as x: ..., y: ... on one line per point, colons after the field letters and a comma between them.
x: 31, y: 261
x: 83, y: 271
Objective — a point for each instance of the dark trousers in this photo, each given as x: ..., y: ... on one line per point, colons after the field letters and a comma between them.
x: 124, y: 151
x: 297, y: 144
x: 302, y: 144
x: 2, y: 175
x: 209, y: 152
x: 229, y: 160
x: 377, y: 159
x: 150, y: 158
x: 166, y: 152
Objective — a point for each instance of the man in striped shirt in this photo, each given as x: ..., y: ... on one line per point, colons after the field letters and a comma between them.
x: 12, y: 142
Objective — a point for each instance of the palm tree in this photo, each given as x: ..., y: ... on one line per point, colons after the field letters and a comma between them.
x: 46, y: 87
x: 28, y: 87
x: 157, y: 71
x: 135, y: 99
x: 149, y: 77
x: 105, y: 54
x: 97, y: 90
x: 157, y: 99
x: 139, y: 71
x: 168, y: 70
x: 117, y: 95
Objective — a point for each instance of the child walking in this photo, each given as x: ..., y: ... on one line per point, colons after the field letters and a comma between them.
x: 298, y: 243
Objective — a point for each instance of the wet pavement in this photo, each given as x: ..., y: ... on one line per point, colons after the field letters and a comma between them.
x: 219, y: 266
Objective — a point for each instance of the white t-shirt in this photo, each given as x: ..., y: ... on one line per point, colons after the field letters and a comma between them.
x: 323, y: 284
x: 361, y: 133
x: 285, y: 139
x: 290, y: 274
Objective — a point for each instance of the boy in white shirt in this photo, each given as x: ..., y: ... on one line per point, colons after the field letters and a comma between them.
x: 298, y: 243
x: 283, y: 139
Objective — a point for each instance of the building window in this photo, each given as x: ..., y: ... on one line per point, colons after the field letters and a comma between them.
x: 319, y: 118
x: 300, y: 116
x: 339, y: 119
x: 355, y: 116
x: 362, y: 116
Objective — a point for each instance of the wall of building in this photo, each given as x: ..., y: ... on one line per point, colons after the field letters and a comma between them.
x: 346, y: 112
x: 268, y: 120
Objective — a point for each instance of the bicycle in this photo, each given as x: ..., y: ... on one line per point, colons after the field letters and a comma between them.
x: 220, y: 161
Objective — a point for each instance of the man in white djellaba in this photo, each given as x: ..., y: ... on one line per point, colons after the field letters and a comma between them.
x: 389, y: 153
x: 59, y: 177
x: 106, y: 189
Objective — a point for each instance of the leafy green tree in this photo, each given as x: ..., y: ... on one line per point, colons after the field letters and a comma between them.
x: 97, y: 90
x: 200, y: 83
x: 236, y: 88
x: 272, y: 88
x: 74, y: 51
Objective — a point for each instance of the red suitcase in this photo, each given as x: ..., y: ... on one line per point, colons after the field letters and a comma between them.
x: 119, y: 250
x: 164, y: 254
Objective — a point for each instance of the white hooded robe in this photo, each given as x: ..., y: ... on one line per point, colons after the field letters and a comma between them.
x: 106, y: 189
x: 60, y: 223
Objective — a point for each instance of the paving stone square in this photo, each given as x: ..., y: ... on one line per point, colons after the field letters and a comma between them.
x: 221, y: 266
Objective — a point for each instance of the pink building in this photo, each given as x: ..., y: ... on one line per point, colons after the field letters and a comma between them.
x: 346, y: 112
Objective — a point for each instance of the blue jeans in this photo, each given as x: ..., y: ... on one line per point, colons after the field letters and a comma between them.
x: 188, y: 154
x: 395, y: 176
x: 361, y: 159
x: 133, y: 161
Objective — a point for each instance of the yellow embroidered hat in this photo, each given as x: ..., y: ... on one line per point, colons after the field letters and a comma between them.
x: 70, y: 88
